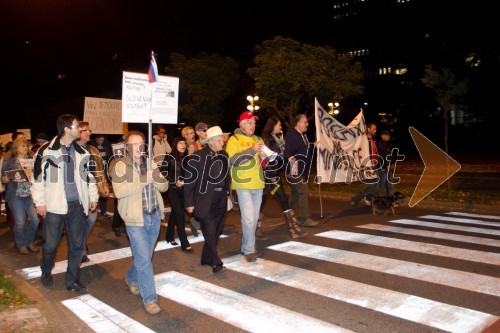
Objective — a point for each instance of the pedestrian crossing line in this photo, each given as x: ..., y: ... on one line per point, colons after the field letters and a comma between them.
x: 488, y: 232
x: 100, y: 317
x: 412, y: 246
x: 413, y: 308
x: 427, y: 273
x: 459, y: 220
x: 242, y: 311
x: 431, y: 234
x: 490, y: 217
x: 102, y: 257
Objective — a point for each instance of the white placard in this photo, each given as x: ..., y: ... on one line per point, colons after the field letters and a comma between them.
x: 104, y: 115
x: 137, y: 94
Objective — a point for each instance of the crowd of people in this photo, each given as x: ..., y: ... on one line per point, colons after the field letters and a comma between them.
x: 70, y: 176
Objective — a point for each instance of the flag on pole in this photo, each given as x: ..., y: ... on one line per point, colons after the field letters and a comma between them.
x: 153, y: 69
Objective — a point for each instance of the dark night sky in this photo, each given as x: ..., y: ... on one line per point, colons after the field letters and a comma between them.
x: 92, y: 41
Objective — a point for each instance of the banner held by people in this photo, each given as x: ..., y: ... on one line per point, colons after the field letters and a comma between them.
x: 343, y: 154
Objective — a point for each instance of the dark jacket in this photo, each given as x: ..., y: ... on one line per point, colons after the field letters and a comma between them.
x: 199, y: 185
x: 295, y: 146
x: 384, y: 149
x: 174, y: 169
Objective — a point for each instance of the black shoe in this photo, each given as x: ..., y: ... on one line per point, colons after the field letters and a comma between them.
x: 188, y: 249
x: 47, y: 280
x: 77, y: 287
x: 85, y: 259
x: 220, y: 268
x: 174, y: 243
x: 117, y: 232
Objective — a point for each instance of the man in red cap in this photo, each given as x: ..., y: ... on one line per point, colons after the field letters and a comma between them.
x: 247, y: 178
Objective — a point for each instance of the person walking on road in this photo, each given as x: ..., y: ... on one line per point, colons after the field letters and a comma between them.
x: 140, y: 204
x: 63, y: 191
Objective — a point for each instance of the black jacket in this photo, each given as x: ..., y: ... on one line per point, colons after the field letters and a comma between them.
x: 202, y: 179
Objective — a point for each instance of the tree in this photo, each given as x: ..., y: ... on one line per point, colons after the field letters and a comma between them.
x: 448, y: 92
x: 205, y: 82
x: 288, y: 74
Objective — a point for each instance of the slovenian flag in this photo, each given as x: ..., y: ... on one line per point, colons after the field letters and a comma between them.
x: 153, y: 69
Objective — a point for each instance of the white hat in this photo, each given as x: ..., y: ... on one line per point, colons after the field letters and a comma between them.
x: 213, y: 131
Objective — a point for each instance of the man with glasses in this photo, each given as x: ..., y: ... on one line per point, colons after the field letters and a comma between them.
x: 98, y: 172
x: 64, y: 191
x: 160, y: 143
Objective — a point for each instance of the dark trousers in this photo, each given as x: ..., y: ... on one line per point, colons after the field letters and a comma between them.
x: 52, y: 231
x: 117, y: 219
x: 280, y: 195
x: 102, y: 205
x: 212, y: 226
x: 177, y: 216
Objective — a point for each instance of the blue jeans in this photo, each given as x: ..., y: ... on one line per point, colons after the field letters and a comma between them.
x: 87, y: 227
x: 52, y: 231
x: 24, y: 234
x: 249, y: 202
x: 386, y: 177
x: 143, y: 241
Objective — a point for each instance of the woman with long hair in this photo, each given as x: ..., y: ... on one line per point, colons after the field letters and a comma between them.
x: 17, y: 194
x: 175, y: 175
x: 274, y: 185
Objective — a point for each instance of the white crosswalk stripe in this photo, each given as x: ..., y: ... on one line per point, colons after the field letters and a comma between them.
x: 419, y: 247
x: 483, y: 284
x: 409, y: 307
x: 431, y: 234
x: 460, y: 220
x: 242, y: 311
x: 490, y: 217
x: 102, y: 257
x: 219, y: 299
x: 447, y: 226
x: 101, y: 317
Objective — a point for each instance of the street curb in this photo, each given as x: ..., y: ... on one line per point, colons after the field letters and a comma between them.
x: 424, y: 204
x: 57, y: 317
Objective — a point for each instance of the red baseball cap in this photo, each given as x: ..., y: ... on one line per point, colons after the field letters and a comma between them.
x: 247, y: 115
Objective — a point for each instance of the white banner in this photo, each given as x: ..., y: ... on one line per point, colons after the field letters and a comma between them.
x: 343, y: 152
x: 103, y: 115
x: 139, y: 98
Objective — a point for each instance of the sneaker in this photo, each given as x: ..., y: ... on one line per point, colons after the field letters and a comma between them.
x: 47, y: 280
x: 133, y: 288
x: 33, y: 248
x: 77, y: 287
x: 105, y: 215
x: 24, y: 250
x: 250, y: 257
x: 152, y: 308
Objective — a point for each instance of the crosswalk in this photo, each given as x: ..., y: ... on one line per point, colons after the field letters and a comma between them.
x: 431, y: 251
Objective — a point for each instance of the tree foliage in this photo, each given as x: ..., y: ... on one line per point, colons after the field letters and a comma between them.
x: 289, y: 74
x: 205, y: 82
x: 448, y: 92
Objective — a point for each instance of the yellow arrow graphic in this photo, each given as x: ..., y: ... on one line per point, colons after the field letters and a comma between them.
x: 439, y: 167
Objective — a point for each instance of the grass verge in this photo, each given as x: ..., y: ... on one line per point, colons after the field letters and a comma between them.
x: 9, y: 295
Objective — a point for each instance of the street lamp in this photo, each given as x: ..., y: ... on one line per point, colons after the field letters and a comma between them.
x: 252, y: 107
x: 334, y: 108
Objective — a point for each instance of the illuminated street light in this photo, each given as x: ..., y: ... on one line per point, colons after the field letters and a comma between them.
x: 253, y: 107
x: 334, y: 108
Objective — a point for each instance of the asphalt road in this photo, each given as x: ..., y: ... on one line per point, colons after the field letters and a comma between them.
x: 420, y: 271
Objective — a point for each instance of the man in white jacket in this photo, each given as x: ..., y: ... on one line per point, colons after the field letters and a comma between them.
x: 63, y: 191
